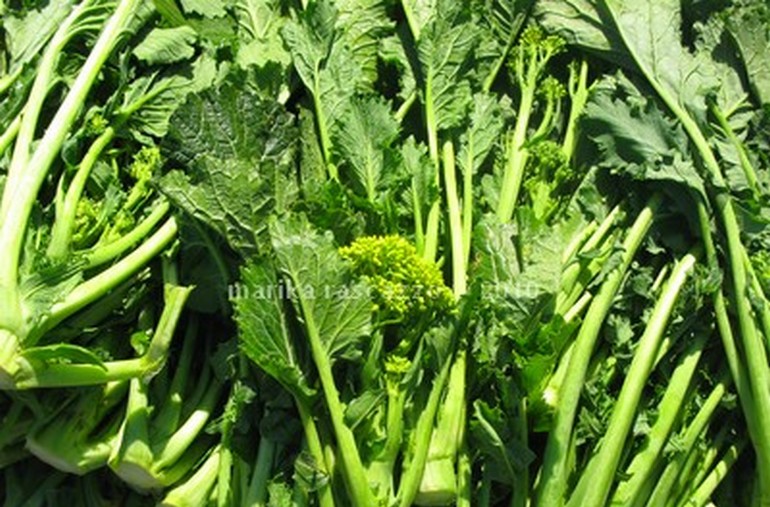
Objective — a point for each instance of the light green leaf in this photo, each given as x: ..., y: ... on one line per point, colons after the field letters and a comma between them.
x: 309, y: 40
x: 206, y: 8
x: 365, y: 132
x: 263, y: 332
x: 651, y: 32
x: 326, y: 65
x: 486, y: 124
x: 259, y: 26
x: 418, y: 13
x: 363, y: 24
x: 445, y: 50
x: 167, y: 45
x: 26, y: 36
x: 321, y: 287
x: 580, y: 23
x: 501, y: 22
x: 63, y: 352
x: 150, y: 100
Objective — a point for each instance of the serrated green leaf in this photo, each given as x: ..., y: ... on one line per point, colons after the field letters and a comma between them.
x: 363, y: 24
x: 26, y: 36
x: 486, y: 124
x: 150, y: 100
x: 259, y: 26
x: 635, y: 137
x: 445, y: 50
x: 309, y: 40
x: 501, y: 22
x: 321, y: 288
x: 418, y: 13
x: 362, y: 137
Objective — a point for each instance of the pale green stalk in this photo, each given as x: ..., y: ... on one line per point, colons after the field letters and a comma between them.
x: 702, y: 495
x: 456, y: 231
x: 665, y: 483
x: 644, y: 464
x: 554, y: 471
x: 595, y: 484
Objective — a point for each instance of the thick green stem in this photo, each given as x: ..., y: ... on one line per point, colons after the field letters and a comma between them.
x: 578, y: 92
x: 644, y: 463
x: 181, y: 440
x: 21, y: 193
x: 263, y: 468
x: 438, y: 485
x: 699, y: 464
x: 554, y: 471
x: 432, y: 230
x: 44, y: 77
x: 313, y: 440
x: 419, y: 227
x: 95, y: 288
x: 516, y: 157
x: 667, y: 480
x: 31, y: 373
x: 171, y: 410
x: 130, y: 458
x: 467, y: 216
x: 702, y: 495
x: 743, y: 157
x: 404, y: 108
x: 756, y: 356
x: 103, y: 254
x: 430, y: 250
x: 355, y: 475
x: 737, y: 369
x: 762, y: 302
x: 8, y: 80
x: 412, y: 475
x: 594, y: 485
x: 381, y: 469
x: 196, y: 490
x: 9, y: 134
x: 464, y: 479
x: 61, y: 234
x: 459, y: 276
x: 576, y: 275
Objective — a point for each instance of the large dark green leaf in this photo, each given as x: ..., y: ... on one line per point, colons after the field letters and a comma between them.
x: 636, y: 138
x: 237, y: 150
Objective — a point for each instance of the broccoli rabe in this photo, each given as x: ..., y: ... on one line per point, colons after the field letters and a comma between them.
x: 404, y: 284
x: 528, y: 65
